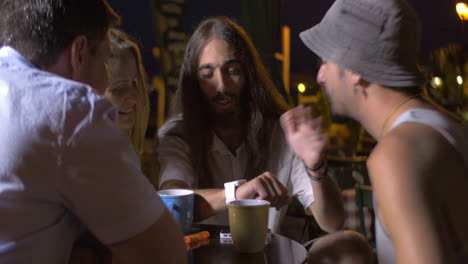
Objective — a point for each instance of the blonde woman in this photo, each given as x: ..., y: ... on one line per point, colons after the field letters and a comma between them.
x: 127, y: 91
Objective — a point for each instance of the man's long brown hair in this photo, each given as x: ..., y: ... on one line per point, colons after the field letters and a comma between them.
x: 260, y: 102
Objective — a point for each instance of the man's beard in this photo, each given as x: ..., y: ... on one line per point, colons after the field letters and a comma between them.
x: 228, y: 117
x: 223, y: 97
x: 336, y: 117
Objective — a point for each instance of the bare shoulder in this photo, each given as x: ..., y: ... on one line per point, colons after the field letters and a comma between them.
x: 410, y: 154
x: 415, y: 145
x: 418, y: 159
x: 419, y: 180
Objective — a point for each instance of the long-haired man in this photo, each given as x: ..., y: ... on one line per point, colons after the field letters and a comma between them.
x: 225, y: 141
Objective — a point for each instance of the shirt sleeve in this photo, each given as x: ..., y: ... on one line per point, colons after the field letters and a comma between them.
x: 174, y: 161
x: 290, y: 169
x: 100, y: 179
x: 301, y: 183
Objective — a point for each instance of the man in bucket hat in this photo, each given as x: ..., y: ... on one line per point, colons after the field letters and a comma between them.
x: 419, y: 167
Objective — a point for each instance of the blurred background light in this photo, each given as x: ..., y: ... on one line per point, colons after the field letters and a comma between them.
x: 301, y: 87
x: 437, y: 82
x: 462, y: 11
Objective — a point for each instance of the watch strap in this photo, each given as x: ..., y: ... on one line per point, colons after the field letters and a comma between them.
x: 230, y: 189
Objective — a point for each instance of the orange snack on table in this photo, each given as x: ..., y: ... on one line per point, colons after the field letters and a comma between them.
x: 196, y: 237
x: 195, y: 245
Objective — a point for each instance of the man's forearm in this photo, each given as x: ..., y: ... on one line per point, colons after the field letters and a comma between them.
x: 328, y: 208
x: 208, y: 202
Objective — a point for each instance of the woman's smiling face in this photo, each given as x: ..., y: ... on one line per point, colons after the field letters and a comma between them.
x: 122, y: 91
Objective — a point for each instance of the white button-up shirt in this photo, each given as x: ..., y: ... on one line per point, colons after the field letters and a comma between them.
x: 64, y: 165
x: 175, y: 164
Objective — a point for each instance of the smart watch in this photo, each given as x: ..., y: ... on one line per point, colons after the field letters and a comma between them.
x: 230, y: 190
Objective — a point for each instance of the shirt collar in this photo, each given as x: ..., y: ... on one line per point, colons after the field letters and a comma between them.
x: 9, y: 52
x: 219, y: 146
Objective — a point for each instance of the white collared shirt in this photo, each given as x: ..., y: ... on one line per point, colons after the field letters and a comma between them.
x: 64, y: 165
x: 175, y: 164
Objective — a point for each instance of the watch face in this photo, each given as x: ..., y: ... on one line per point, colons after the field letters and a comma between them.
x: 240, y: 182
x: 235, y: 183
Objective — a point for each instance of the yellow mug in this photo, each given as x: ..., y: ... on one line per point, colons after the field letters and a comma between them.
x: 248, y: 221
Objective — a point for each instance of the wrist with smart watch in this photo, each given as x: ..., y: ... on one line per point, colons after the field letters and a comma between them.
x: 230, y: 189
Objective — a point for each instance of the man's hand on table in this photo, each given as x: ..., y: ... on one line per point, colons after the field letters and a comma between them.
x: 264, y: 187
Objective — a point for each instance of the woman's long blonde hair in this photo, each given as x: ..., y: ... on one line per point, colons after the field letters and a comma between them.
x: 120, y: 42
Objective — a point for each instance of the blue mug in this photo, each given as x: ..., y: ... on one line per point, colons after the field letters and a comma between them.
x: 180, y: 204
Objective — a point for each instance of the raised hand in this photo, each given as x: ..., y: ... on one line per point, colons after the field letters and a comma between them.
x: 264, y: 187
x: 304, y: 135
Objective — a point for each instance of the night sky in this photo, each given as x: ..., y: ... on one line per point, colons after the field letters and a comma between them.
x: 440, y: 24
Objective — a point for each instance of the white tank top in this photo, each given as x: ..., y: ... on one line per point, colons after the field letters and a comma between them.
x: 457, y: 135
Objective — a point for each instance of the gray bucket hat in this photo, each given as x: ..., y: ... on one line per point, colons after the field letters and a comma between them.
x: 378, y: 39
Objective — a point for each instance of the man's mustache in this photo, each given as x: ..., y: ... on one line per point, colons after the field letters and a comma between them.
x: 223, y: 97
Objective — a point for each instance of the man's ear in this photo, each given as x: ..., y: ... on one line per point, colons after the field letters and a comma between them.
x: 356, y: 78
x: 78, y: 54
x: 359, y: 82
